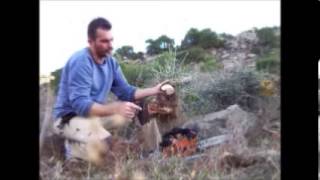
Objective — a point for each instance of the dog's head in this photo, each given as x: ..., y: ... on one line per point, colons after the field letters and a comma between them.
x: 164, y: 105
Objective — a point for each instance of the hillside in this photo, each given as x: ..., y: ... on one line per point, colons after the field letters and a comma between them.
x: 230, y: 88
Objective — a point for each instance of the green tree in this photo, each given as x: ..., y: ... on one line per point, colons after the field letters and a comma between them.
x: 208, y: 39
x: 225, y: 36
x: 268, y: 37
x: 161, y: 44
x: 268, y: 40
x: 192, y: 38
x: 140, y: 55
x: 126, y: 52
x: 204, y: 38
x: 152, y: 47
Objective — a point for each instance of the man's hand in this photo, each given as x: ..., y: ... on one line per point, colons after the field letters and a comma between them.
x: 141, y: 93
x: 158, y: 86
x: 125, y: 109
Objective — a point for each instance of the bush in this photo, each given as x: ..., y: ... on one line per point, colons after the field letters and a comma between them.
x: 195, y: 55
x: 268, y: 37
x: 268, y: 40
x: 209, y: 64
x: 218, y: 93
x: 168, y: 66
x: 270, y: 62
x: 269, y: 65
x: 136, y: 74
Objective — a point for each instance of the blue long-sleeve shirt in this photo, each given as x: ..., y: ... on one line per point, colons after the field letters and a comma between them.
x: 84, y: 82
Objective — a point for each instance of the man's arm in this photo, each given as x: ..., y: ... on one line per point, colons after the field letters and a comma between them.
x: 126, y: 109
x: 141, y: 93
x: 125, y: 92
x: 120, y: 87
x: 79, y: 88
x: 101, y: 110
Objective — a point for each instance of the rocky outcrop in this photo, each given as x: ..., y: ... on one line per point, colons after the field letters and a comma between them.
x: 237, y: 52
x: 233, y: 121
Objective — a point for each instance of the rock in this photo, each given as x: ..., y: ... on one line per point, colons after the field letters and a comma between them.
x: 251, y: 55
x: 242, y: 56
x: 225, y: 56
x: 237, y: 51
x: 241, y: 124
x: 248, y: 36
x: 213, y: 52
x: 232, y: 120
x: 232, y: 43
x: 243, y: 46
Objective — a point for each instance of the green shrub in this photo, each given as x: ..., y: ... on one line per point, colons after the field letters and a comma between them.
x: 136, y: 74
x: 220, y: 92
x: 270, y: 62
x: 209, y: 64
x: 195, y: 55
x: 168, y: 66
x: 269, y: 65
x: 268, y: 37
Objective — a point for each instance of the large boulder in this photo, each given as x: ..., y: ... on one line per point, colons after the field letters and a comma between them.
x: 248, y: 36
x: 233, y: 120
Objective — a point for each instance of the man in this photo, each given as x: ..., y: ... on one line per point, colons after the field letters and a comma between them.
x: 88, y: 76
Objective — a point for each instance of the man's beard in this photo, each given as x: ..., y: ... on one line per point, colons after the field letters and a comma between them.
x: 105, y: 53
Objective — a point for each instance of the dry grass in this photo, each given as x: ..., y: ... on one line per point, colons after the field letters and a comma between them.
x: 263, y: 146
x: 207, y: 167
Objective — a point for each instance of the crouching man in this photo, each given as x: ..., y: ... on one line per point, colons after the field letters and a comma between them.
x: 87, y: 78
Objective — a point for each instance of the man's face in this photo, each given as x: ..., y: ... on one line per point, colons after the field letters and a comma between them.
x: 103, y: 42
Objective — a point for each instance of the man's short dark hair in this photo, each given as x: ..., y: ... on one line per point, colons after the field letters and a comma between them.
x: 98, y: 23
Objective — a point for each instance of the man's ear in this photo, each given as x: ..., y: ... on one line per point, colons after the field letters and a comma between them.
x: 90, y: 41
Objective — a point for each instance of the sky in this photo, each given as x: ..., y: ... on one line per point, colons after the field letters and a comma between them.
x: 63, y: 24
